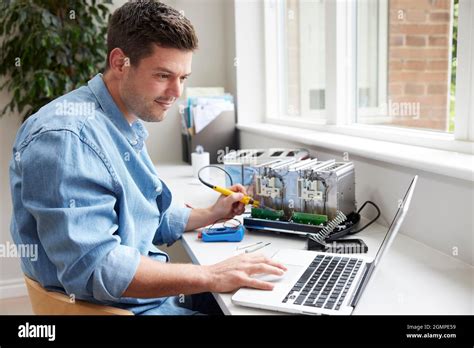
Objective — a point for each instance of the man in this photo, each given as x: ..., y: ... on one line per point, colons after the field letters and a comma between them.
x: 85, y: 190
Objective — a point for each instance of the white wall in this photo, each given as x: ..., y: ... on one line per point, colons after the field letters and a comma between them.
x: 441, y: 212
x: 212, y: 66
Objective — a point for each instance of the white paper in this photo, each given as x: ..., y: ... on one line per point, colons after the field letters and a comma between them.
x: 207, y: 110
x: 203, y: 91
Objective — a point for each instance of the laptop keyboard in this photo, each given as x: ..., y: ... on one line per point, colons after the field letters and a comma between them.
x: 325, y: 282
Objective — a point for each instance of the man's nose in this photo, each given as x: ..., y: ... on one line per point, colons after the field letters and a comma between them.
x: 175, y: 88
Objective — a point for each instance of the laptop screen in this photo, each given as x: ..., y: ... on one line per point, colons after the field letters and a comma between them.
x: 388, y: 239
x: 396, y: 222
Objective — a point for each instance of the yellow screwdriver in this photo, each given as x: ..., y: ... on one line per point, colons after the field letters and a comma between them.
x: 226, y: 192
x: 245, y: 199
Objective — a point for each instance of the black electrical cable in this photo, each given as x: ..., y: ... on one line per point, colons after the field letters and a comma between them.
x: 321, y: 242
x: 225, y: 221
x: 212, y: 186
x: 372, y: 221
x: 231, y: 183
x: 213, y: 166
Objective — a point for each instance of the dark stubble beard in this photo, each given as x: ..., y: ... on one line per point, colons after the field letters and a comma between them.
x: 140, y: 107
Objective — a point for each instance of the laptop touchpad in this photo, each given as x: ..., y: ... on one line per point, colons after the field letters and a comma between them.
x: 289, y: 276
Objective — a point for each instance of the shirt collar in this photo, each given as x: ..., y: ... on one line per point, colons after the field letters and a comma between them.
x: 136, y: 134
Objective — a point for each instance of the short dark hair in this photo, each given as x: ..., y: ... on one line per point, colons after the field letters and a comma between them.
x: 137, y: 25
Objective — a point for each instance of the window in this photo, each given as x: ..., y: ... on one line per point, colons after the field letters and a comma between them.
x: 300, y: 40
x: 406, y: 63
x: 373, y: 68
x: 371, y: 55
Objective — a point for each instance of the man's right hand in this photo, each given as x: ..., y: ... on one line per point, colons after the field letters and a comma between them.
x: 236, y: 272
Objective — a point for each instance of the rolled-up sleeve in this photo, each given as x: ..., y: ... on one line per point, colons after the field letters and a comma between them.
x: 172, y: 225
x: 70, y: 192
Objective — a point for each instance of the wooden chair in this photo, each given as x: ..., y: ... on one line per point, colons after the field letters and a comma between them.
x: 46, y: 302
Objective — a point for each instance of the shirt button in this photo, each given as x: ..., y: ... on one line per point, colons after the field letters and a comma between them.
x: 134, y: 142
x: 158, y: 189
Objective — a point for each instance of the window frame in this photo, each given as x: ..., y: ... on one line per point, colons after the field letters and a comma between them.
x: 341, y: 82
x: 382, y: 85
x: 464, y: 107
x: 305, y: 111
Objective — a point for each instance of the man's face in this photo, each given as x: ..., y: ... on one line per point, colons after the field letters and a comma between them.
x: 150, y: 88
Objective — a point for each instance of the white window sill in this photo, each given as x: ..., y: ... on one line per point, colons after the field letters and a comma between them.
x: 449, y: 163
x: 416, y: 137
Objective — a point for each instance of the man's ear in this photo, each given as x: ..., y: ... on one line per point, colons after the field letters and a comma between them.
x: 118, y: 61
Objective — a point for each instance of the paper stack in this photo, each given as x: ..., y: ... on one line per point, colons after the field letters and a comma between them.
x: 203, y: 105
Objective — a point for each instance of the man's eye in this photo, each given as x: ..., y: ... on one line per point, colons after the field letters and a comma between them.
x: 162, y: 76
x: 184, y: 78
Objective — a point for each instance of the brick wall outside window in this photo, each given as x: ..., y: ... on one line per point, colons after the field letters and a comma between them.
x: 419, y: 60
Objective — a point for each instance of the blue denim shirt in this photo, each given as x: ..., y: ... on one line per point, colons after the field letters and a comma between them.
x: 86, y: 192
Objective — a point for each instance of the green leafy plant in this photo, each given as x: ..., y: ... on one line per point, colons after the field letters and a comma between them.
x: 48, y: 48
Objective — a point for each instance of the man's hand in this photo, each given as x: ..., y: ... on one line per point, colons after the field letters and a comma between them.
x: 236, y: 272
x: 226, y: 207
x: 157, y: 279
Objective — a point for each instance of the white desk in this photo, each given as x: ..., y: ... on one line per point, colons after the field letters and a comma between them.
x: 412, y: 278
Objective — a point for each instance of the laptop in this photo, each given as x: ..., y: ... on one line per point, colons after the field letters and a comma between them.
x: 321, y: 283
